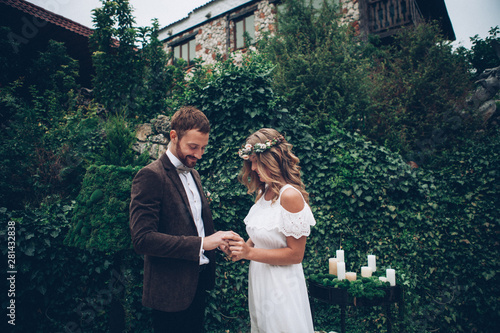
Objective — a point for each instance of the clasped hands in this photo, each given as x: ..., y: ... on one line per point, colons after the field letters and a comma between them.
x: 229, y: 242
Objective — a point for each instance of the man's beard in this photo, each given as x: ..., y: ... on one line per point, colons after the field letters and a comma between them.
x: 184, y: 158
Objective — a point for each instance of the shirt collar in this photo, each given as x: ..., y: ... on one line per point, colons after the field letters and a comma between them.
x: 179, y: 166
x: 175, y: 161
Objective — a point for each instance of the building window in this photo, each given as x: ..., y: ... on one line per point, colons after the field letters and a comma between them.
x: 185, y: 50
x: 244, y: 27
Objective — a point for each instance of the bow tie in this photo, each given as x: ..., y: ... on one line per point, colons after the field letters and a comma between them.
x: 183, y: 169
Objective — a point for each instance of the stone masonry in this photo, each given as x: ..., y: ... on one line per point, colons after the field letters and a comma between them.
x: 216, y: 37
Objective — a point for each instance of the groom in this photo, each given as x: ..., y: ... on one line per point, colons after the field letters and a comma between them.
x: 171, y: 225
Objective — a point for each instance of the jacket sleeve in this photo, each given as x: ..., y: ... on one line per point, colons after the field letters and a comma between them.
x: 145, y: 208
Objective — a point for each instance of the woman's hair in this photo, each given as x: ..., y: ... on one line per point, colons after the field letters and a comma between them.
x: 188, y: 118
x: 279, y: 160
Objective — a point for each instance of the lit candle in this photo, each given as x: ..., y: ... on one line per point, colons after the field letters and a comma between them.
x: 351, y: 276
x: 391, y: 276
x: 341, y: 270
x: 372, y: 262
x: 366, y: 271
x: 340, y: 255
x: 332, y: 266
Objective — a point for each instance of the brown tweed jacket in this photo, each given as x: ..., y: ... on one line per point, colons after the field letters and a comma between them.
x: 163, y: 230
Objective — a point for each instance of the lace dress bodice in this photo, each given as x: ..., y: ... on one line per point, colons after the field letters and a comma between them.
x: 268, y: 215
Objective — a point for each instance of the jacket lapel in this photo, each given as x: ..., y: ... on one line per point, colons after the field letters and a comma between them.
x: 176, y: 180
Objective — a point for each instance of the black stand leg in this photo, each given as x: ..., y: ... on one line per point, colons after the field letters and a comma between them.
x: 389, y: 319
x: 342, y: 318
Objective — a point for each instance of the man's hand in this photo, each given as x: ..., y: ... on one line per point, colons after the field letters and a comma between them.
x: 219, y: 239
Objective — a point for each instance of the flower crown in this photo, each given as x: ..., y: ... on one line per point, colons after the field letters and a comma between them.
x: 248, y: 149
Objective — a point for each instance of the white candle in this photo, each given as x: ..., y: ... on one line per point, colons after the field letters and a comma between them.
x: 383, y: 278
x: 366, y: 271
x: 341, y: 270
x: 332, y: 266
x: 372, y: 262
x: 351, y: 276
x: 340, y: 255
x: 391, y: 276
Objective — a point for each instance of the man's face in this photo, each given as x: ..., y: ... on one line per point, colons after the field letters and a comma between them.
x: 190, y: 148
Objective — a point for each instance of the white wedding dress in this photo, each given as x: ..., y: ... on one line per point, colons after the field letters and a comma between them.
x: 277, y: 295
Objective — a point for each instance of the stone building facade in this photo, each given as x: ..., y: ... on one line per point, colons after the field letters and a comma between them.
x: 217, y: 28
x: 211, y: 30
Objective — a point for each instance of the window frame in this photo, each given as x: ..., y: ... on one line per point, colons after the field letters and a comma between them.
x: 241, y: 17
x: 182, y: 42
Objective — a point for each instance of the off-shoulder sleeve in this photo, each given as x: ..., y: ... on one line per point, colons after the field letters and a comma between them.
x: 296, y: 224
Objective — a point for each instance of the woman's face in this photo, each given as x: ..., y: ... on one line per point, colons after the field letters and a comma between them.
x: 255, y: 168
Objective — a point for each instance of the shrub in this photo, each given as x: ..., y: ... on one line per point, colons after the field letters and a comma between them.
x: 118, y: 142
x: 320, y: 67
x: 30, y: 109
x: 66, y: 289
x: 100, y: 219
x: 483, y: 54
x: 129, y: 81
x: 418, y: 96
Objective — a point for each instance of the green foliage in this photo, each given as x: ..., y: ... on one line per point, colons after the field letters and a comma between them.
x: 100, y: 219
x: 159, y: 78
x: 117, y: 63
x: 129, y: 81
x: 30, y: 109
x: 368, y: 287
x: 468, y: 222
x: 418, y: 95
x: 54, y: 71
x: 10, y: 66
x: 319, y: 65
x: 61, y: 288
x: 368, y: 200
x: 77, y: 142
x: 483, y: 54
x: 117, y: 148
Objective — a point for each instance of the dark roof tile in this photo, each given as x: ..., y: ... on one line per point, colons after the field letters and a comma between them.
x: 48, y: 16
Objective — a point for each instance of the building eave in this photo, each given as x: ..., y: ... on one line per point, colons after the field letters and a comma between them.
x: 202, y: 15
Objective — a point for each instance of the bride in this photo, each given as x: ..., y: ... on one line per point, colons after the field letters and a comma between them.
x: 278, y: 225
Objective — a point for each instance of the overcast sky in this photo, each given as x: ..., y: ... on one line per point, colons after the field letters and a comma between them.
x: 469, y: 17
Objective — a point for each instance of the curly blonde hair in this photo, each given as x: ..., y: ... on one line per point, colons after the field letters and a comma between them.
x: 279, y: 161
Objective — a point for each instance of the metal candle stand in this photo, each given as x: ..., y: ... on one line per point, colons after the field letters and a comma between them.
x: 340, y: 296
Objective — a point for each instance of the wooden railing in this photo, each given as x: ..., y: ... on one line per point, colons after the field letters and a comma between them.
x: 387, y: 15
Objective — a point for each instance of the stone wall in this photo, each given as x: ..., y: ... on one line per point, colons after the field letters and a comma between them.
x: 212, y: 37
x: 153, y: 137
x: 216, y: 37
x: 265, y: 21
x: 211, y: 40
x: 351, y: 13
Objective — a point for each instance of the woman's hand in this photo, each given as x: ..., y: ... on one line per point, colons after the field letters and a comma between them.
x: 225, y: 248
x: 240, y: 249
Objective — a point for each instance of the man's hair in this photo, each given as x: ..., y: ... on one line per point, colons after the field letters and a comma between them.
x: 188, y: 118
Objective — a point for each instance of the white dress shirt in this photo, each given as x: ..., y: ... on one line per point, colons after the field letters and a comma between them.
x: 194, y: 201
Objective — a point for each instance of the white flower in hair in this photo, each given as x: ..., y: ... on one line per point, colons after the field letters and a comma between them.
x: 248, y: 149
